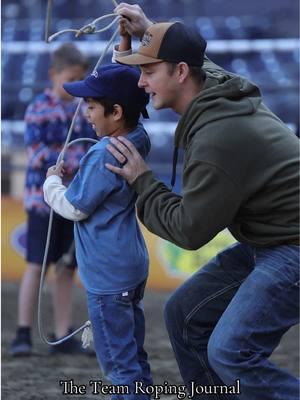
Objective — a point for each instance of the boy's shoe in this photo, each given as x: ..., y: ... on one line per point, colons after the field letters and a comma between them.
x: 70, y: 346
x: 21, y: 346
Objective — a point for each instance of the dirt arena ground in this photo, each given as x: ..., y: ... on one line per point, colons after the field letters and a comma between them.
x: 37, y: 377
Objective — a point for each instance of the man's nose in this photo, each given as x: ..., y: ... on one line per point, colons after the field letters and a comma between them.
x: 141, y: 82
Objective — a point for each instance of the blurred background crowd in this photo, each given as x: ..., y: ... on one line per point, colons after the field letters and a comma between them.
x: 257, y: 39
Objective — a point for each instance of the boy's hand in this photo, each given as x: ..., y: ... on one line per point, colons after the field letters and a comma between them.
x: 122, y: 28
x: 125, y: 43
x: 134, y: 19
x: 56, y: 170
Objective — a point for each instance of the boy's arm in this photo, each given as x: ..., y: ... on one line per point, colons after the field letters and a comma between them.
x: 125, y: 42
x: 124, y: 47
x: 86, y: 192
x: 54, y: 195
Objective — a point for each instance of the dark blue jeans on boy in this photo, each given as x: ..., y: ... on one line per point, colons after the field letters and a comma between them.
x: 118, y: 325
x: 227, y: 319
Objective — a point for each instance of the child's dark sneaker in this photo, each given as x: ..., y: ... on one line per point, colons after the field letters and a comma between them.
x: 70, y: 346
x: 21, y: 346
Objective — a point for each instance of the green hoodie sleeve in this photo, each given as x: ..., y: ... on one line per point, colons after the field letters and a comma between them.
x: 208, y: 204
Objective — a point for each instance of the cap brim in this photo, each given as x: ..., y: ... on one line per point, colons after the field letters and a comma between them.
x: 137, y: 59
x: 80, y: 89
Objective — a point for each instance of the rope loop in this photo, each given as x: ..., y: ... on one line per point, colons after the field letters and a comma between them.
x: 87, y: 30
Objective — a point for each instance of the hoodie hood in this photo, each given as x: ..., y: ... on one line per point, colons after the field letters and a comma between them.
x: 224, y: 95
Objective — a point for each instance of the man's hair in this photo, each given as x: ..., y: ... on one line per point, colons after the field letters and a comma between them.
x: 131, y: 116
x: 196, y: 72
x: 68, y: 55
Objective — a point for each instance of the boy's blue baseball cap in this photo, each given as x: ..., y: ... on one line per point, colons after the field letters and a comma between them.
x: 116, y: 82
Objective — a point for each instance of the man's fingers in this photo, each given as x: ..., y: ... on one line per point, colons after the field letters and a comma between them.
x: 121, y: 10
x: 123, y: 150
x: 124, y: 146
x: 116, y: 153
x: 126, y: 9
x: 131, y: 12
x: 114, y: 169
x: 128, y: 144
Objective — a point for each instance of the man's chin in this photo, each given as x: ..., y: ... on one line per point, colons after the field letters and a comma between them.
x: 156, y: 105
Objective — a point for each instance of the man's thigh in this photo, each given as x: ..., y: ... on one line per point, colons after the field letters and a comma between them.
x: 266, y: 304
x: 199, y: 303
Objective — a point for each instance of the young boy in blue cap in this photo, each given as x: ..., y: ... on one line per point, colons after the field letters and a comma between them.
x: 110, y: 249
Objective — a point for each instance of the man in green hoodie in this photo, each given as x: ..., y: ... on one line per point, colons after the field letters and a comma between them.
x: 241, y: 172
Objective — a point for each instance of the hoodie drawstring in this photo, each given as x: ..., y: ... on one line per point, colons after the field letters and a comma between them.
x: 175, y: 158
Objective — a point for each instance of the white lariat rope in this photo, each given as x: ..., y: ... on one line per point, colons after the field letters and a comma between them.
x: 87, y: 29
x: 48, y: 20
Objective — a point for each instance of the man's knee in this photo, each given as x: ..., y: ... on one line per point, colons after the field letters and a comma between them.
x: 215, y: 354
x: 174, y: 314
x: 186, y: 322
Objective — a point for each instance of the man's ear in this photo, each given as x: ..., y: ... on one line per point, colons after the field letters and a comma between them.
x: 117, y: 112
x: 183, y: 71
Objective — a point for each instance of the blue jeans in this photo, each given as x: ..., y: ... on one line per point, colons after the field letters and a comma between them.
x: 227, y: 319
x: 118, y: 325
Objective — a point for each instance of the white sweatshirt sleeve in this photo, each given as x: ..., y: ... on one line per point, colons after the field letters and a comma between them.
x: 117, y: 53
x: 54, y: 195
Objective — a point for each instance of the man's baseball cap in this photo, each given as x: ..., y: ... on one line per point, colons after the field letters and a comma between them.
x: 172, y: 42
x: 116, y: 82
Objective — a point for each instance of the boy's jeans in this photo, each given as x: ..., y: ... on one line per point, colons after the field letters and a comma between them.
x: 119, y: 331
x: 259, y: 291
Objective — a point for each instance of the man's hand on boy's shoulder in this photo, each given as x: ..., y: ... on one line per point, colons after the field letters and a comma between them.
x: 56, y: 170
x: 125, y: 152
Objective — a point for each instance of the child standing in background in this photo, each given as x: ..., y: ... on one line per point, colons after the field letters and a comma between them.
x: 48, y: 119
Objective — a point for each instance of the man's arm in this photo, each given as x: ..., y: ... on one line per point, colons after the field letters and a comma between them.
x: 209, y: 202
x: 54, y: 195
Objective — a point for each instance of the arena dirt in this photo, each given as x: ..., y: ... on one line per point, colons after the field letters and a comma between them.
x: 37, y: 377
